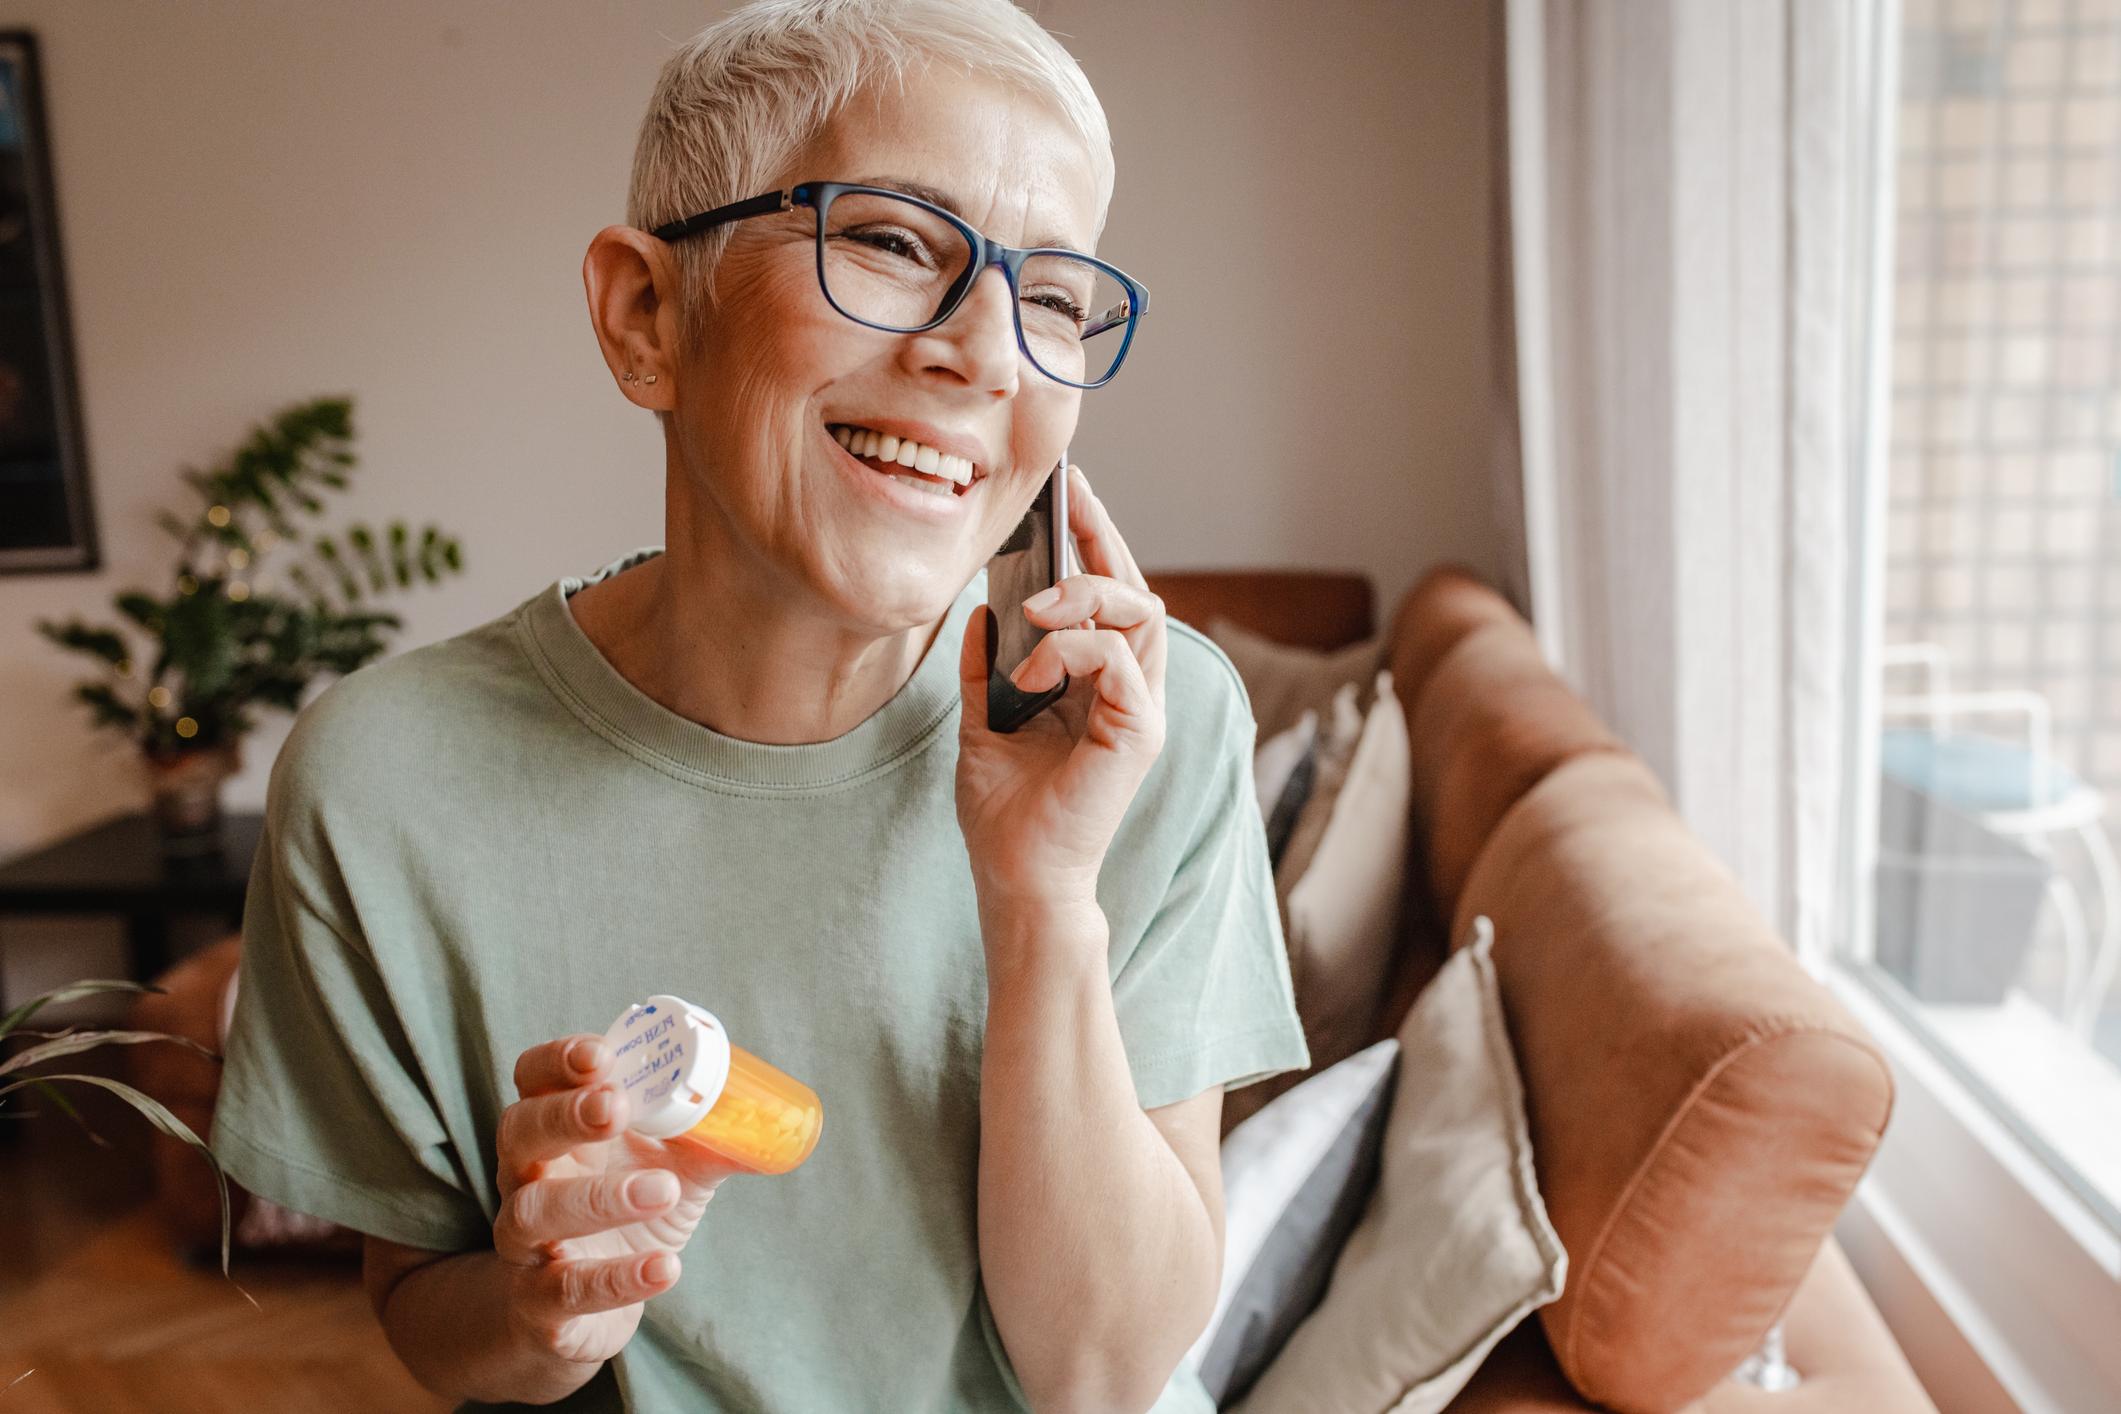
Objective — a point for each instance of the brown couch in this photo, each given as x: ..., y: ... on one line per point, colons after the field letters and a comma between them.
x: 1701, y: 1109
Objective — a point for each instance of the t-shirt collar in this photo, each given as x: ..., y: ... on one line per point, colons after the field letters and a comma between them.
x: 615, y: 708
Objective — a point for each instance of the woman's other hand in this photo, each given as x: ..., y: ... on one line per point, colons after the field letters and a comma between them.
x: 593, y: 1216
x: 1039, y: 806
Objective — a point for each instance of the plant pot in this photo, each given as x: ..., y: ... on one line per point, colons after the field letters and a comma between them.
x: 187, y: 795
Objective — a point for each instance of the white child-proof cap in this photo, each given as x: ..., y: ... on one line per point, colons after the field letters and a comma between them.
x: 671, y: 1062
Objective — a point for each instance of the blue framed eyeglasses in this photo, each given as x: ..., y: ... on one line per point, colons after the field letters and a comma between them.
x: 897, y: 263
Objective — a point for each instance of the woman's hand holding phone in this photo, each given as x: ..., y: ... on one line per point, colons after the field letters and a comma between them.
x: 1039, y: 806
x: 593, y: 1216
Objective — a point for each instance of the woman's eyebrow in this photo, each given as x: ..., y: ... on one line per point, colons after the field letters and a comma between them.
x: 935, y: 196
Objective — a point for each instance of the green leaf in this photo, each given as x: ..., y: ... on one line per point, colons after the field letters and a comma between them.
x: 159, y: 1116
x: 110, y: 710
x: 68, y: 1043
x: 101, y: 643
x: 143, y: 609
x: 72, y: 992
x: 50, y: 1093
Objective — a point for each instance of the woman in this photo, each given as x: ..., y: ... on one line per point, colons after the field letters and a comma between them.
x: 1019, y: 969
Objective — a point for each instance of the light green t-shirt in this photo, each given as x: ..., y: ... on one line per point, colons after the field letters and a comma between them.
x: 496, y: 840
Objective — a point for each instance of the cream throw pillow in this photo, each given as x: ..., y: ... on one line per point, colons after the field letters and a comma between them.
x: 1340, y: 877
x: 1455, y: 1248
x: 1282, y: 681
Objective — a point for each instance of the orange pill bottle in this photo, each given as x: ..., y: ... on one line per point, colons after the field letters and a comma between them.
x: 683, y: 1079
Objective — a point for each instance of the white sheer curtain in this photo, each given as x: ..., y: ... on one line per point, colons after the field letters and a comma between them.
x: 1686, y: 243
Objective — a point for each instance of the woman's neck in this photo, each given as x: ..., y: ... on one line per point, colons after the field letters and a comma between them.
x: 699, y: 634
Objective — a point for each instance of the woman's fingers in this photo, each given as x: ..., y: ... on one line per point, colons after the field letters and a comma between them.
x: 555, y: 1293
x: 547, y: 1126
x: 551, y: 1210
x: 1104, y: 548
x: 561, y: 1065
x: 1107, y: 603
x: 1104, y: 655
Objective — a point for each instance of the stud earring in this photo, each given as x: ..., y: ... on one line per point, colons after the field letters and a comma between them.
x: 627, y: 376
x: 649, y: 379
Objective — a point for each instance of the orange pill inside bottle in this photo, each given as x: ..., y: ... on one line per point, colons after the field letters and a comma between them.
x: 683, y: 1079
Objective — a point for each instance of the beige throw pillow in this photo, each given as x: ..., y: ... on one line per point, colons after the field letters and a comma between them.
x: 1282, y: 681
x: 1340, y: 877
x: 1455, y: 1248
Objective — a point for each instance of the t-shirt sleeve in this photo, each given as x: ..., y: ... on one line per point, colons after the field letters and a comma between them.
x: 322, y: 1108
x: 1205, y: 999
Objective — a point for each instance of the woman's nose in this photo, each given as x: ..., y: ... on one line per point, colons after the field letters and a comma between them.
x: 978, y: 341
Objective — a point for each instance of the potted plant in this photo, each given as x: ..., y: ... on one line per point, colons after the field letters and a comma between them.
x: 255, y: 610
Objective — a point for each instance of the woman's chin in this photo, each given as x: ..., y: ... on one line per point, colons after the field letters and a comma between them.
x: 897, y: 602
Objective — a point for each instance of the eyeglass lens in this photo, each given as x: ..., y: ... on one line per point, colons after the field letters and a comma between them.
x: 890, y: 262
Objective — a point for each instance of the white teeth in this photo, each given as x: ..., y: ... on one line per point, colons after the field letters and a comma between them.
x: 905, y: 452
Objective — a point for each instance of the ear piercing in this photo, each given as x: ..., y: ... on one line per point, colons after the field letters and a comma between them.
x: 627, y: 377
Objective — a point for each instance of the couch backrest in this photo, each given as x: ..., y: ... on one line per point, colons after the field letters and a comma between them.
x: 1701, y: 1108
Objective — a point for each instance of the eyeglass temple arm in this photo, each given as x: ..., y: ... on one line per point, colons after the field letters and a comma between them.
x: 735, y: 211
x: 1114, y: 317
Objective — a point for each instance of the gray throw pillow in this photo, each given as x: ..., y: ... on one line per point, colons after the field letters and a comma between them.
x: 1295, y: 1179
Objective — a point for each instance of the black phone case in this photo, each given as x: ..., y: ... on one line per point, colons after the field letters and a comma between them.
x: 1033, y: 557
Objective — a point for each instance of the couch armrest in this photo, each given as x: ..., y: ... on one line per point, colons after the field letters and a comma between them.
x: 1701, y: 1109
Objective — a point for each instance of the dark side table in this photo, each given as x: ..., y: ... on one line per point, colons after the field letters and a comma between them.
x: 119, y: 868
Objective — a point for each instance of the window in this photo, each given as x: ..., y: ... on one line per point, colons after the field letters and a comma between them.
x: 1994, y: 896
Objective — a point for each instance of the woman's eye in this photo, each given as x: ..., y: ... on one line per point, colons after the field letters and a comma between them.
x: 1059, y: 304
x: 903, y: 244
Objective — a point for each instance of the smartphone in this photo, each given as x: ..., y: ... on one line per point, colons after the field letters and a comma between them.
x: 1034, y: 557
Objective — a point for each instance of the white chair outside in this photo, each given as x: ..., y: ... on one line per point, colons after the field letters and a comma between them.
x: 2018, y: 791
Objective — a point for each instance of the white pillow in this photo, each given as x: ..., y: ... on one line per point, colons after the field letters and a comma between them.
x: 1342, y: 875
x: 1455, y: 1248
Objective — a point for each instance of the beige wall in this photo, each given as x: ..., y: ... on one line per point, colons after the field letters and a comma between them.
x: 267, y: 201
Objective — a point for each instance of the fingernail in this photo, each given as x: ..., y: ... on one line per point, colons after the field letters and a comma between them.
x: 1045, y: 599
x: 586, y: 1055
x: 1016, y: 674
x: 659, y: 1268
x: 597, y: 1108
x: 652, y: 1190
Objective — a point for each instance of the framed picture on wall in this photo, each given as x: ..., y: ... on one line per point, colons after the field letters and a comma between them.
x: 45, y: 523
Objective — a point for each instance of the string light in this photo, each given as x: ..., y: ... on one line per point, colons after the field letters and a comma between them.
x: 158, y: 697
x: 238, y: 590
x: 187, y: 585
x: 187, y: 728
x: 238, y: 558
x: 217, y: 516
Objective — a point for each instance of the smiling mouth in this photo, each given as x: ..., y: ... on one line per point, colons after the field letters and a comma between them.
x: 937, y: 473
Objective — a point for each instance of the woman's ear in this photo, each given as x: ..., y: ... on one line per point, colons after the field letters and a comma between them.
x: 630, y: 282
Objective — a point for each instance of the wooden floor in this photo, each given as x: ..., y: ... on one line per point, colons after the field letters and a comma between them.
x: 99, y: 1315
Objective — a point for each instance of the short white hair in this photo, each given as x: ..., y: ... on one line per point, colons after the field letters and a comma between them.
x: 735, y: 104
